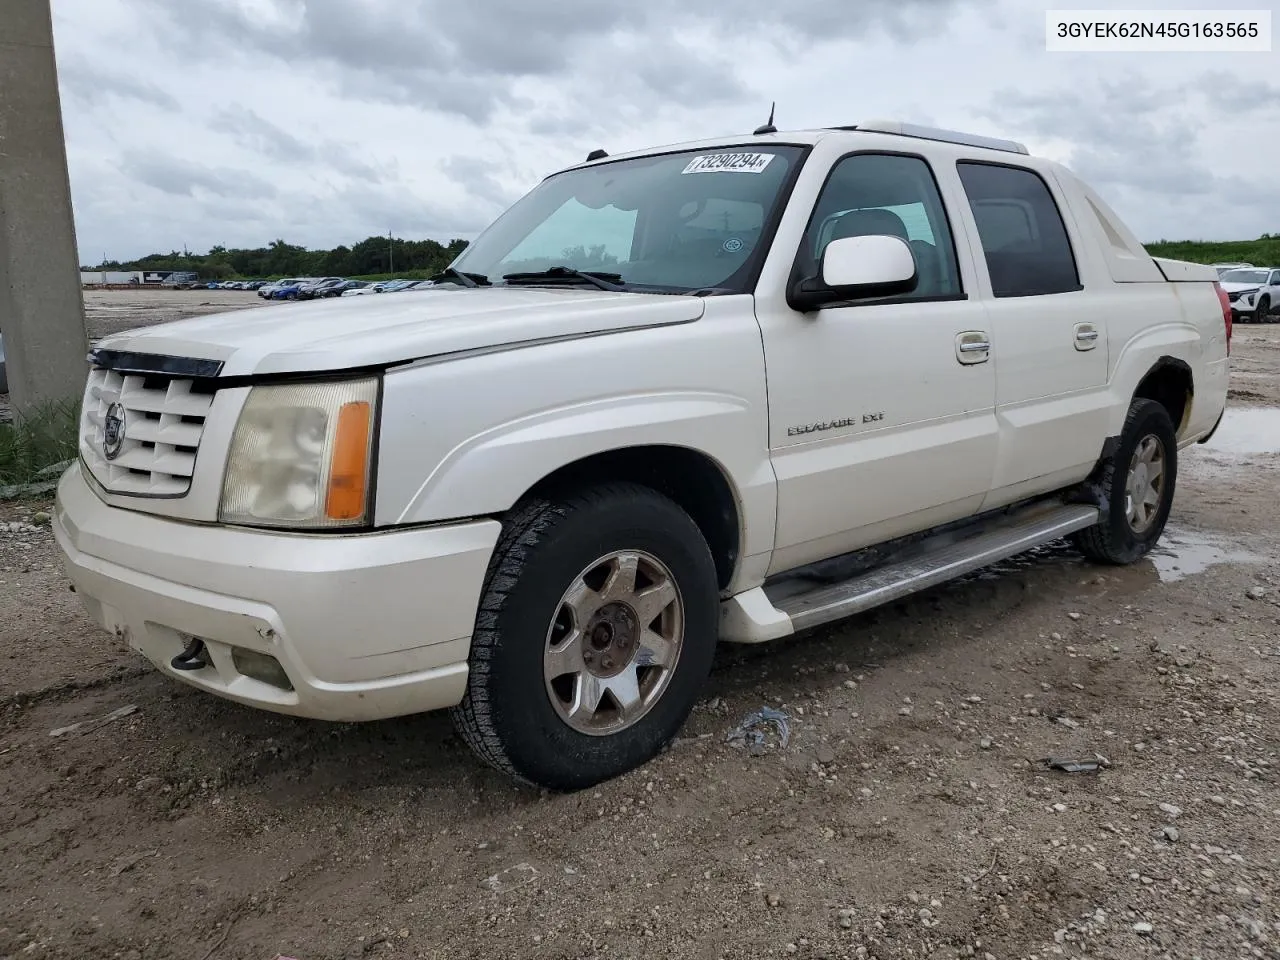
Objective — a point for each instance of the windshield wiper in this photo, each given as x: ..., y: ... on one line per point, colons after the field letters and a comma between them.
x: 597, y: 278
x: 464, y: 278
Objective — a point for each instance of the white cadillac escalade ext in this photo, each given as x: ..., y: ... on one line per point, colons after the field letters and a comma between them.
x: 721, y: 390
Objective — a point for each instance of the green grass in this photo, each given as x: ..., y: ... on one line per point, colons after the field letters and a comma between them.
x: 1263, y: 252
x: 43, y: 437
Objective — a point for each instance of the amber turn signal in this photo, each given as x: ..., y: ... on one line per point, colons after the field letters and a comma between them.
x: 349, y: 470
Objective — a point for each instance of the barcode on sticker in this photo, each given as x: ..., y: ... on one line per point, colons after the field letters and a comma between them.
x: 729, y: 163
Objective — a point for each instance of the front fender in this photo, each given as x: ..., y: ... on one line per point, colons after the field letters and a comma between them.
x: 469, y: 437
x: 490, y: 470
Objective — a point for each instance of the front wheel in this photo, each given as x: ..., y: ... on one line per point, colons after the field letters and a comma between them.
x: 596, y: 631
x: 1137, y: 485
x: 1263, y: 310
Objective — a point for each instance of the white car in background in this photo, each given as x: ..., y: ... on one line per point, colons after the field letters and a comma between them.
x: 1254, y: 293
x: 362, y: 291
x: 1224, y: 267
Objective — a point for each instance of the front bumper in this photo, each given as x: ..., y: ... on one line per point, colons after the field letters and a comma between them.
x: 365, y: 626
x: 1242, y: 307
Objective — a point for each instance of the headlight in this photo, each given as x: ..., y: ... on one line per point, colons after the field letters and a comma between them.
x: 301, y: 456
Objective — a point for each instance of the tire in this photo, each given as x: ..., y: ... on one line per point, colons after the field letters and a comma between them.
x: 1120, y: 538
x: 515, y: 714
x: 1262, y: 311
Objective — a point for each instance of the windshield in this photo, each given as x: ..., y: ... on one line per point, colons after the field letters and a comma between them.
x: 1245, y: 276
x: 671, y: 223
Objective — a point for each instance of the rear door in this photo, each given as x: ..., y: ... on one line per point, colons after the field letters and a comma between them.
x: 1052, y: 405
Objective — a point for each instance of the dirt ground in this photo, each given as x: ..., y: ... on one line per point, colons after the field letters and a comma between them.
x: 910, y: 815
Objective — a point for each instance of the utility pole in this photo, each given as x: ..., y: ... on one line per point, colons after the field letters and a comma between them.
x: 41, y: 304
x: 391, y: 254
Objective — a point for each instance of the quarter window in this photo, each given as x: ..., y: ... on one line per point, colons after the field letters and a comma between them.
x: 1023, y: 237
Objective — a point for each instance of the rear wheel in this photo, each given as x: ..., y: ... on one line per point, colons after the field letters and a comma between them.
x: 1137, y: 484
x: 596, y: 630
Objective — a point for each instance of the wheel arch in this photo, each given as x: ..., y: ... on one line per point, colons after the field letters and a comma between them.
x: 692, y: 479
x: 1170, y: 383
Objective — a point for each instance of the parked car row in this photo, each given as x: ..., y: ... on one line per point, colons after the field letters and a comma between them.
x: 1254, y: 294
x: 218, y: 284
x: 317, y: 288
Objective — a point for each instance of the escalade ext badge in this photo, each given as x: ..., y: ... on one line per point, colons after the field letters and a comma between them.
x: 821, y: 427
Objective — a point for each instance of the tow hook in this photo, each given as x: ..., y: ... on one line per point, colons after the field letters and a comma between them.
x: 191, y: 657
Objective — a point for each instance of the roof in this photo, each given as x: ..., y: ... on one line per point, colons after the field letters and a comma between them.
x: 893, y: 128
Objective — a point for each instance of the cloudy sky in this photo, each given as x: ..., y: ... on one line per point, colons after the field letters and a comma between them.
x: 235, y: 122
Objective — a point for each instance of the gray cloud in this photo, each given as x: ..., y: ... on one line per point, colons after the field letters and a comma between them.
x: 95, y: 86
x: 265, y: 138
x: 326, y: 120
x: 372, y: 210
x: 1233, y: 94
x: 478, y: 176
x: 1143, y: 147
x: 185, y: 178
x: 261, y: 136
x: 467, y: 60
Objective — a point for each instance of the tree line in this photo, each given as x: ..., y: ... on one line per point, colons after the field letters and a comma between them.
x: 374, y: 255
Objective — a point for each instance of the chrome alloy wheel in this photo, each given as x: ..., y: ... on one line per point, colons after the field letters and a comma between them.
x: 614, y: 642
x: 1144, y: 486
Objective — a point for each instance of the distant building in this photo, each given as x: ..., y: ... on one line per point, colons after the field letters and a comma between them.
x: 95, y: 278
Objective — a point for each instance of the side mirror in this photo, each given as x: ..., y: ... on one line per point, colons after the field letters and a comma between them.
x: 857, y: 267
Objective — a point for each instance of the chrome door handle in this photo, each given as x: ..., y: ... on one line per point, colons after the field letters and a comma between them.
x: 973, y: 347
x: 1086, y: 336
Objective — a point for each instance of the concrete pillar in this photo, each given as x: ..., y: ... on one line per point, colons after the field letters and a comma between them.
x: 41, y: 304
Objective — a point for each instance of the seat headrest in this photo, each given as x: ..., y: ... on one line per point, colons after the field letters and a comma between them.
x: 867, y: 223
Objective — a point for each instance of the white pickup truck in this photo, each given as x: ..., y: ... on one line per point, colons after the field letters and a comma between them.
x: 728, y: 389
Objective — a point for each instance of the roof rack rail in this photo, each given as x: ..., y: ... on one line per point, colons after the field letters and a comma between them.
x: 936, y: 133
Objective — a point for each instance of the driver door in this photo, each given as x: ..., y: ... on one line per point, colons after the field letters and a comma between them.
x: 881, y: 413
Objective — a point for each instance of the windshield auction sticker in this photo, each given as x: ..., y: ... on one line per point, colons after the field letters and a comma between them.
x: 729, y: 163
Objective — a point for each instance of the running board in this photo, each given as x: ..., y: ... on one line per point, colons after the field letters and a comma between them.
x: 754, y: 617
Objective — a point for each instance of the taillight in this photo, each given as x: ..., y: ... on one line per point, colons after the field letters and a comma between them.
x: 1226, y: 312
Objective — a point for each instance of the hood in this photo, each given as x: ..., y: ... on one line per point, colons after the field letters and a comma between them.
x: 348, y: 332
x: 1237, y: 287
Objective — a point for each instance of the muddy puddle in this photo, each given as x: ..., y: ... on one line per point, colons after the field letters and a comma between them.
x: 1184, y: 553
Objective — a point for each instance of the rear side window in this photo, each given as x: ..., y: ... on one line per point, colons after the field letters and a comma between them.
x: 1022, y: 233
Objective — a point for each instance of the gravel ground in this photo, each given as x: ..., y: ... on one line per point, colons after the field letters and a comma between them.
x: 910, y: 815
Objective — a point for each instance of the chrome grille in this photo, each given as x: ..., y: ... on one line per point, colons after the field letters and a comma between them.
x: 164, y: 420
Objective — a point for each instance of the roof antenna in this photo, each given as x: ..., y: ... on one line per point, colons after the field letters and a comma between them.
x: 596, y: 155
x: 768, y: 127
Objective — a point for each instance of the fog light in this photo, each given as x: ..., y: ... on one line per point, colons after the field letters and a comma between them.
x: 261, y: 667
